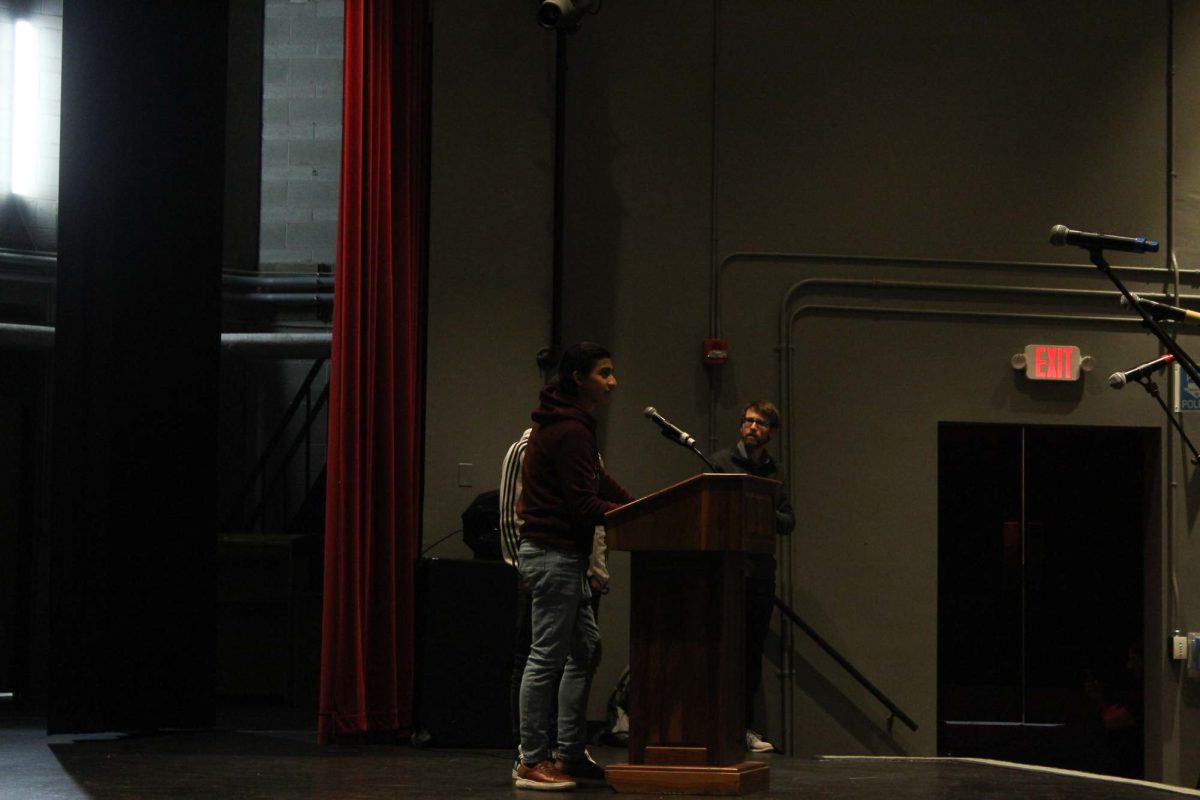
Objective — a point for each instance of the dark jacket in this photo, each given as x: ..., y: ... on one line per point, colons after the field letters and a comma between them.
x: 565, y: 491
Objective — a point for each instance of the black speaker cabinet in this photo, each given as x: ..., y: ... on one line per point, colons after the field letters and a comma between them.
x: 466, y: 623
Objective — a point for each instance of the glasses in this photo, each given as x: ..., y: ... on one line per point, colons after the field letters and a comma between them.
x: 762, y: 423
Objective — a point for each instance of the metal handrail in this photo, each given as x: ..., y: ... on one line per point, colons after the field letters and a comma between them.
x: 300, y: 437
x: 259, y: 471
x: 794, y: 618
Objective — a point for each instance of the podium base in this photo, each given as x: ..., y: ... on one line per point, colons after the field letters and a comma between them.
x: 735, y: 779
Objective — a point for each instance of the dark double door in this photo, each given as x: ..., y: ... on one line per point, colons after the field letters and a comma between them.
x: 1041, y: 535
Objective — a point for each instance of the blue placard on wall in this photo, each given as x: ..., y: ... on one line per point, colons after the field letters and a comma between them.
x: 1187, y: 393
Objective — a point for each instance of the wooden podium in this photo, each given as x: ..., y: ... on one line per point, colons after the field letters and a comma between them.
x: 687, y: 646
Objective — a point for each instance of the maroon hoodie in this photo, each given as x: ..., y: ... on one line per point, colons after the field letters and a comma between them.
x: 565, y: 491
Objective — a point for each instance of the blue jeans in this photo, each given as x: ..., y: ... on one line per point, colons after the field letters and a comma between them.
x: 564, y: 638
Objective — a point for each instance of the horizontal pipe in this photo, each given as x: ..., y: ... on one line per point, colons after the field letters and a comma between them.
x: 940, y: 286
x: 289, y: 299
x: 294, y: 283
x: 278, y: 345
x: 18, y: 258
x: 274, y: 345
x: 1147, y: 273
x: 39, y: 268
x: 26, y: 337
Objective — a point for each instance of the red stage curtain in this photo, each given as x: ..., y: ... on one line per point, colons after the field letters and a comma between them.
x: 373, y: 495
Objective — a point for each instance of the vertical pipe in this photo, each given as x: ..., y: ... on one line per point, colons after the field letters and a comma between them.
x: 560, y: 163
x: 713, y: 220
x: 1166, y: 549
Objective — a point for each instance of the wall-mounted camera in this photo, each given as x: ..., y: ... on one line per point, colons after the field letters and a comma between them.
x: 565, y: 15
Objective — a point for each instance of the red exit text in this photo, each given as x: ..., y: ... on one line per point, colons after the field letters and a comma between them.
x: 1049, y: 362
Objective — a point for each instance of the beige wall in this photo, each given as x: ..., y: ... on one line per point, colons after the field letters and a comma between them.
x: 490, y: 247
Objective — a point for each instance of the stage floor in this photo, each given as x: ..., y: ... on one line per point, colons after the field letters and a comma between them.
x: 263, y: 764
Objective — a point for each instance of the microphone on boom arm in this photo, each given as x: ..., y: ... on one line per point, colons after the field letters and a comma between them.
x: 1061, y: 234
x: 679, y: 437
x: 1164, y: 310
x: 1118, y: 379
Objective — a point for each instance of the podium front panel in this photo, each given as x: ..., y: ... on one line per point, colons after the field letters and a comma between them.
x: 687, y: 657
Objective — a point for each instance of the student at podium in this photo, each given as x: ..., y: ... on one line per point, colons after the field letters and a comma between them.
x: 565, y: 493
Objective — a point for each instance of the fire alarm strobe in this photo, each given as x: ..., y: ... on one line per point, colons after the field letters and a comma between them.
x: 716, y: 351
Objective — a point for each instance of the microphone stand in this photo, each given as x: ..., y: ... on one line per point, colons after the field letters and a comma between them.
x: 696, y: 450
x: 1181, y: 356
x: 1152, y: 389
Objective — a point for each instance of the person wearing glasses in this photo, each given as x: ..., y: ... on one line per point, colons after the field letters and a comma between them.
x: 759, y: 422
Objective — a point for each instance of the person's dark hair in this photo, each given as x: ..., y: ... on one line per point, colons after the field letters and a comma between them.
x: 581, y: 358
x: 765, y: 408
x: 547, y: 363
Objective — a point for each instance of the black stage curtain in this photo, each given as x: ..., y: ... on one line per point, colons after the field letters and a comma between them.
x: 136, y: 365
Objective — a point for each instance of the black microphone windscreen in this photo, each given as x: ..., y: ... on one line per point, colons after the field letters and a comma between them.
x: 649, y: 411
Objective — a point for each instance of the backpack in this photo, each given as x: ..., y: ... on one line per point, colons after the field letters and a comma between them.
x: 616, y: 722
x: 481, y: 526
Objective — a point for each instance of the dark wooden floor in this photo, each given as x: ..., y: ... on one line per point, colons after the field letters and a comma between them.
x: 289, y: 764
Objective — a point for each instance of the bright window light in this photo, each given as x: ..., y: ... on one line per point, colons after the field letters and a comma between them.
x: 25, y: 95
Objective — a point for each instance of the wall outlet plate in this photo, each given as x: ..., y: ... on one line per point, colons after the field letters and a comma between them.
x: 1179, y: 647
x: 466, y: 474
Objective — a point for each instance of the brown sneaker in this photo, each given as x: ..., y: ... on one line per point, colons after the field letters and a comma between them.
x: 543, y: 776
x: 583, y: 771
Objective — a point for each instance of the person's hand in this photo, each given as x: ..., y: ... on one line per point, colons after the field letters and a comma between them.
x: 597, y: 584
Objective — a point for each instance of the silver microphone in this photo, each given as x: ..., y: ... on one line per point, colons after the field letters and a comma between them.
x: 668, y: 430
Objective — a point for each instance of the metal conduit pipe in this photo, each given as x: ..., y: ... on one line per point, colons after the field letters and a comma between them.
x: 315, y: 282
x: 785, y: 349
x: 26, y: 337
x: 816, y: 258
x: 796, y: 288
x: 23, y: 258
x: 1169, y: 174
x: 274, y: 345
x: 1146, y: 273
x: 18, y: 267
x: 859, y: 283
x: 278, y: 345
x: 36, y: 278
x: 981, y: 288
x: 291, y: 291
x: 25, y: 268
x: 714, y: 208
x: 288, y: 299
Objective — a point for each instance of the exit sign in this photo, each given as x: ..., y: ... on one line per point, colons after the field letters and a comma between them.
x: 1052, y: 362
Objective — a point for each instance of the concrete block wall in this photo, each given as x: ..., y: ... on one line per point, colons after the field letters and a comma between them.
x: 302, y: 133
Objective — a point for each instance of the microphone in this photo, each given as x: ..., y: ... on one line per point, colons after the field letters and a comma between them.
x: 668, y: 430
x: 1119, y: 379
x: 1164, y: 311
x: 1061, y: 234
